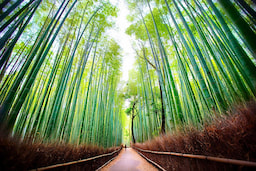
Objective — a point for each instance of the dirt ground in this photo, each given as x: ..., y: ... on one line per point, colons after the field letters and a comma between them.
x: 129, y: 160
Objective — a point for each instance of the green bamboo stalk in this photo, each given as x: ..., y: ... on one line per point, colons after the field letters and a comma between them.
x: 240, y: 23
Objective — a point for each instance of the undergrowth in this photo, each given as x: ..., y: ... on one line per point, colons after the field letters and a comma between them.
x: 16, y: 155
x: 232, y: 136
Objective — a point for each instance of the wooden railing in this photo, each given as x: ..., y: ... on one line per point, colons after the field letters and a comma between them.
x: 75, y: 162
x: 202, y: 157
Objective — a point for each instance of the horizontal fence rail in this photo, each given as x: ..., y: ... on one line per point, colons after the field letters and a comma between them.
x: 151, y: 161
x: 75, y: 162
x: 202, y: 157
x: 106, y: 163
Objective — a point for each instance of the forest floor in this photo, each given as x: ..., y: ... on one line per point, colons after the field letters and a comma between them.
x: 127, y: 160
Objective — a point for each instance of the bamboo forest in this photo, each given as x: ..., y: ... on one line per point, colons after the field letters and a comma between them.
x: 86, y: 82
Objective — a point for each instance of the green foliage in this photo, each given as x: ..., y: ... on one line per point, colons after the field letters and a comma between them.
x: 66, y: 88
x: 187, y: 54
x: 128, y: 110
x: 60, y: 73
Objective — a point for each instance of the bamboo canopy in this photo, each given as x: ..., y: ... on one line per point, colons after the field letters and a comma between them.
x: 60, y: 77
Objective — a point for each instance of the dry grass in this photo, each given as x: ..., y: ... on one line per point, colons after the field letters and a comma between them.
x: 231, y: 136
x: 15, y: 155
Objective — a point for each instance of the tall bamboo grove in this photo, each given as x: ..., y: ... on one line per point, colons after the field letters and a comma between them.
x: 59, y: 72
x: 193, y: 62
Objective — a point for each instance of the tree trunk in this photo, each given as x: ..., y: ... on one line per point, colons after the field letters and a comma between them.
x: 163, y: 112
x: 133, y: 116
x: 133, y: 138
x: 162, y: 100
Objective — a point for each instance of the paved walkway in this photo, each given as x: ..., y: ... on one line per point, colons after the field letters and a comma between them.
x: 129, y: 160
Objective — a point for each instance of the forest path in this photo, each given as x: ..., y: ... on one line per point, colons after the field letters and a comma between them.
x: 129, y: 160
